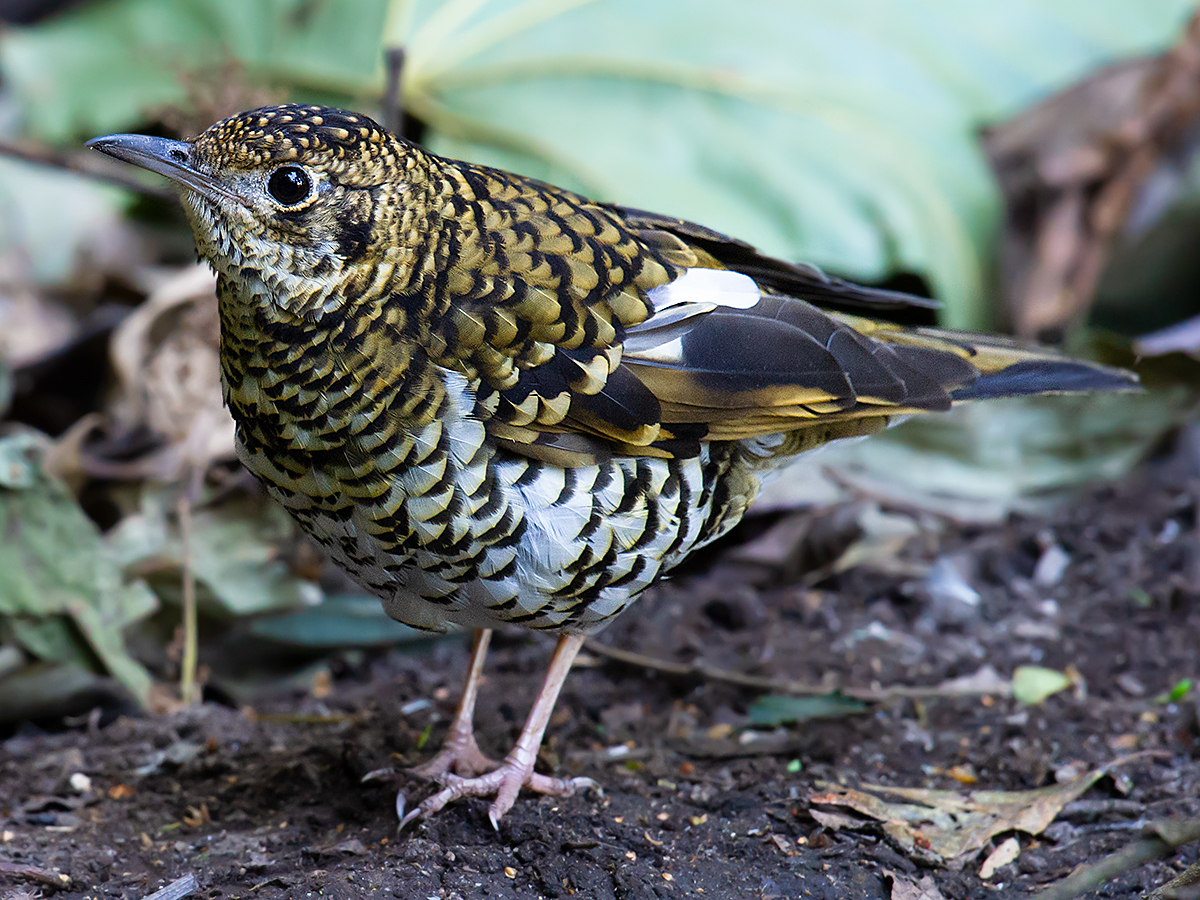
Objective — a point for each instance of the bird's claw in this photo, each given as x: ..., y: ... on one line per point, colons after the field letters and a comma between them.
x: 387, y: 773
x: 503, y: 783
x: 460, y: 756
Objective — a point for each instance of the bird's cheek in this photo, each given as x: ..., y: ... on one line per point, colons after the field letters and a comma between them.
x: 210, y: 228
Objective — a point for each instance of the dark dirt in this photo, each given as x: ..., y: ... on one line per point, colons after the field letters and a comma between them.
x: 270, y: 805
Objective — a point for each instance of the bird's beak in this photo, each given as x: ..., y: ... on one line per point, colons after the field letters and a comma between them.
x: 164, y: 156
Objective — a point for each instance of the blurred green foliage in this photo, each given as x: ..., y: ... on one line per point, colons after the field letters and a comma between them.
x: 233, y: 554
x: 64, y: 598
x: 108, y: 65
x: 841, y: 133
x: 776, y: 709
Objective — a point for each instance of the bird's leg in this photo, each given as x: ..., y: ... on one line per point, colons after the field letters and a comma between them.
x: 516, y: 772
x: 460, y: 755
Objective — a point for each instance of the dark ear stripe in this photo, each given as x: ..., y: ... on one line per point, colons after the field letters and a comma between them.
x: 1042, y: 376
x: 353, y: 236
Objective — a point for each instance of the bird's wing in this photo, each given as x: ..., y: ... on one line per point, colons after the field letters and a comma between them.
x: 716, y: 250
x: 597, y: 329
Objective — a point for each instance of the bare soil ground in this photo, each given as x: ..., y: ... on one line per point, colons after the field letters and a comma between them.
x: 271, y: 806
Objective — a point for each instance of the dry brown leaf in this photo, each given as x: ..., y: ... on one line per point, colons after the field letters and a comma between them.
x: 31, y: 326
x: 1073, y: 169
x: 782, y: 844
x: 947, y: 827
x: 167, y: 359
x: 904, y: 888
x: 818, y: 543
x: 1006, y: 852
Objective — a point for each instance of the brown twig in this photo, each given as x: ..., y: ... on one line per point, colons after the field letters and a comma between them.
x: 1159, y: 840
x: 1184, y: 887
x: 188, y: 691
x: 55, y: 880
x: 393, y: 100
x: 75, y: 162
x: 777, y: 685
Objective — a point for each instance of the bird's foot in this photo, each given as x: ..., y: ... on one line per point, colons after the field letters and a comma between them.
x: 503, y: 783
x: 459, y: 756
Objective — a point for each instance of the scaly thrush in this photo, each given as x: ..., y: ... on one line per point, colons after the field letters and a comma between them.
x: 494, y: 401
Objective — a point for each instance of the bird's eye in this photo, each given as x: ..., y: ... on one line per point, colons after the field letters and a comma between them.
x: 289, y: 185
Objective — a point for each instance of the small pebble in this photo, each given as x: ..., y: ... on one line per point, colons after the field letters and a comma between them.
x: 1051, y: 566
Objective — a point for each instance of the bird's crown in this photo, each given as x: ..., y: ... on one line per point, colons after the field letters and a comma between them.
x: 277, y: 134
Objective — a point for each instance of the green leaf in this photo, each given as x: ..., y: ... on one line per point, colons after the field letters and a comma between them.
x: 108, y: 65
x: 342, y: 620
x: 51, y: 245
x: 63, y: 597
x: 45, y: 689
x: 1033, y: 684
x: 1181, y: 689
x: 19, y: 455
x: 50, y: 638
x: 773, y: 709
x: 234, y: 554
x: 237, y: 559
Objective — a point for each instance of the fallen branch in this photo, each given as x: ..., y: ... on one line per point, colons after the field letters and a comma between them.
x: 178, y: 888
x: 1184, y: 887
x: 55, y: 880
x: 1159, y: 840
x: 956, y: 688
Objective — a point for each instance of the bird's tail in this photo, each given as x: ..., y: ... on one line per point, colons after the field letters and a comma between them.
x: 1006, y: 367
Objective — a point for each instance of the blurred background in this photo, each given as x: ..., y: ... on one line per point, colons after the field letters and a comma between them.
x: 1032, y: 165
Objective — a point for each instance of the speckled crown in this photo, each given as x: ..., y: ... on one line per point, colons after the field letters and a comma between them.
x: 279, y: 133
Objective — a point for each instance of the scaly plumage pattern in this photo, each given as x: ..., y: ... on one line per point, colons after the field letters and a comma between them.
x: 495, y: 401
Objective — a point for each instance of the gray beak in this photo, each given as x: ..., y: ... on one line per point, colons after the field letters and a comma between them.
x: 164, y: 156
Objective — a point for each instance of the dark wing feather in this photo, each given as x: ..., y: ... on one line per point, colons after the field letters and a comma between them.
x: 794, y: 279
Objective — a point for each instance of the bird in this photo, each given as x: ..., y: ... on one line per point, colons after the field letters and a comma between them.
x: 496, y: 402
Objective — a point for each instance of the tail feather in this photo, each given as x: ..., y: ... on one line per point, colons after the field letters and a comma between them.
x: 1046, y: 375
x: 1005, y: 367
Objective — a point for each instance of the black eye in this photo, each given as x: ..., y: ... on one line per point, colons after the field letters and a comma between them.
x: 289, y: 185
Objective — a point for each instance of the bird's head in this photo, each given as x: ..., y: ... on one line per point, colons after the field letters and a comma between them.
x: 296, y: 197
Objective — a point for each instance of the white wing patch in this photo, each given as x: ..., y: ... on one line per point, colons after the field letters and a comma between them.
x: 716, y: 286
x: 678, y: 307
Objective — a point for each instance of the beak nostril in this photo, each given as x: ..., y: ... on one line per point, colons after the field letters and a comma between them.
x: 166, y: 157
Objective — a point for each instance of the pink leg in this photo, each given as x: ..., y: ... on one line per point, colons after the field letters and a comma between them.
x: 516, y: 772
x: 460, y: 755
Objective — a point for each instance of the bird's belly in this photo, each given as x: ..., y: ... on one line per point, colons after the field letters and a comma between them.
x: 474, y: 536
x: 585, y: 541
